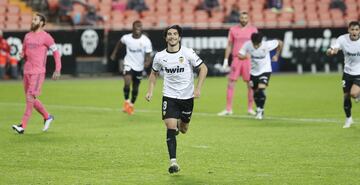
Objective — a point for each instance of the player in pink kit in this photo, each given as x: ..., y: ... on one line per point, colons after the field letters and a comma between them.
x: 238, y: 35
x: 35, y: 47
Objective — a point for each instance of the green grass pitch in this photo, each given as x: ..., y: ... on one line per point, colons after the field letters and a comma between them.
x: 300, y: 141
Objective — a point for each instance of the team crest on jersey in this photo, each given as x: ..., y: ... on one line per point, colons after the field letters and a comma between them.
x: 181, y: 59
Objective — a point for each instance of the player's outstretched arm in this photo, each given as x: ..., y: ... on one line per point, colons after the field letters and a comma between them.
x: 152, y: 81
x: 275, y: 58
x: 202, y: 75
x: 116, y: 49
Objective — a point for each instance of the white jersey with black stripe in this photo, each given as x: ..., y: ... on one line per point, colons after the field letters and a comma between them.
x: 135, y: 50
x: 178, y: 71
x: 260, y: 57
x: 351, y: 50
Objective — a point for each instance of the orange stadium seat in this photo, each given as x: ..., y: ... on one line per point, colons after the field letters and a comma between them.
x: 117, y: 16
x: 150, y: 2
x: 106, y: 1
x: 162, y: 20
x: 26, y: 18
x: 11, y: 26
x: 2, y: 10
x: 12, y: 18
x: 188, y: 8
x: 13, y: 9
x: 175, y: 9
x: 4, y: 2
x: 94, y: 3
x: 2, y: 19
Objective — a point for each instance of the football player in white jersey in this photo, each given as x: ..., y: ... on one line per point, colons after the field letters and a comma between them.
x: 138, y: 56
x: 350, y: 45
x: 260, y: 72
x: 178, y: 63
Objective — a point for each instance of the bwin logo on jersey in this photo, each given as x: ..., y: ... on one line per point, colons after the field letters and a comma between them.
x: 175, y: 70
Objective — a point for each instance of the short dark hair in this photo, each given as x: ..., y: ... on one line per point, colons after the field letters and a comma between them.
x: 42, y: 17
x: 176, y: 27
x: 136, y: 22
x: 256, y: 38
x: 244, y: 13
x: 354, y: 23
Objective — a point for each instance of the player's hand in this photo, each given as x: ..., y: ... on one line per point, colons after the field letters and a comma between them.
x: 56, y: 75
x: 332, y: 51
x: 22, y: 55
x: 148, y: 96
x: 225, y: 63
x: 275, y: 58
x: 197, y: 93
x: 112, y: 57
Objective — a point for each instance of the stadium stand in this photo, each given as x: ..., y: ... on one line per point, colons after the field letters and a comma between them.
x: 16, y: 14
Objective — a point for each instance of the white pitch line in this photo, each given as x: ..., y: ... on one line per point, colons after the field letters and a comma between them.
x: 205, y: 114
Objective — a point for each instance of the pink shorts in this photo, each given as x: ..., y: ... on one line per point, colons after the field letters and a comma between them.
x: 240, y: 68
x: 33, y: 83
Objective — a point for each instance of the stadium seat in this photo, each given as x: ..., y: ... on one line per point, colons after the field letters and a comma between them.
x: 13, y: 9
x: 2, y: 19
x: 12, y: 18
x: 11, y: 26
x: 3, y: 10
x: 106, y: 1
x: 3, y: 3
x: 26, y: 18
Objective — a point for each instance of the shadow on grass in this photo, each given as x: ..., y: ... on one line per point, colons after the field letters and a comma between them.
x: 184, y: 179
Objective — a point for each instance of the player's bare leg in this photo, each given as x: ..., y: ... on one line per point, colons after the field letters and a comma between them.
x: 250, y: 99
x: 183, y: 127
x: 355, y: 92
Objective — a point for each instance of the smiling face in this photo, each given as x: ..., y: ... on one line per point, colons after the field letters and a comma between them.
x: 354, y: 31
x: 172, y: 37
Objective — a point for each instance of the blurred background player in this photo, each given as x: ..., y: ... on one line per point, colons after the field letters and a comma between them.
x: 178, y: 92
x: 259, y: 51
x: 138, y: 56
x: 6, y: 59
x: 237, y: 36
x: 350, y: 45
x: 35, y: 46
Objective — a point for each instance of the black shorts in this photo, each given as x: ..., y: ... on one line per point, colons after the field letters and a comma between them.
x: 177, y: 108
x: 348, y: 81
x: 263, y: 78
x: 136, y: 76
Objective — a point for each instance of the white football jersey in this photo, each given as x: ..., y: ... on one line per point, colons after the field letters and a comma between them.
x: 351, y: 50
x: 260, y: 57
x: 135, y: 51
x: 178, y: 71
